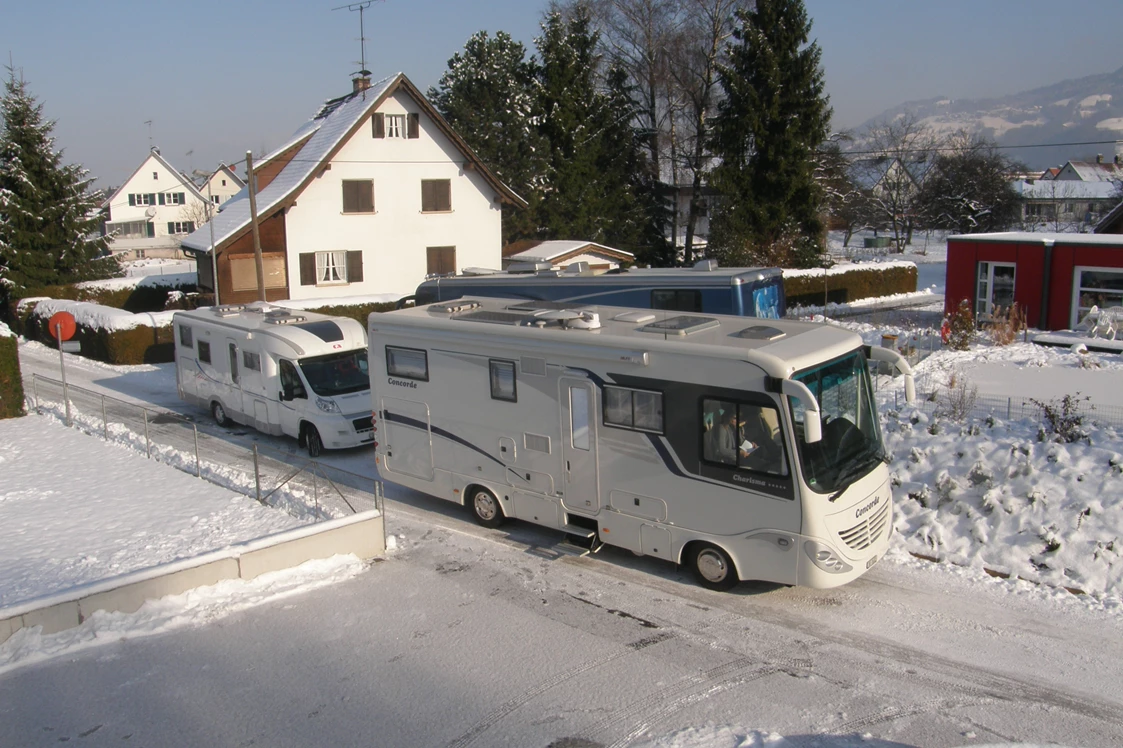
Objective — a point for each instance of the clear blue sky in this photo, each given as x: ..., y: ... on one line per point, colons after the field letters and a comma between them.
x: 220, y: 78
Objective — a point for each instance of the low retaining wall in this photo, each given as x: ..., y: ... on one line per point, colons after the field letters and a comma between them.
x: 360, y: 534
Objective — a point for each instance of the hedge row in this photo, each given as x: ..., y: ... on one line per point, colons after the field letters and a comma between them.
x: 860, y: 283
x: 142, y: 298
x: 143, y: 344
x: 11, y: 384
x: 358, y: 312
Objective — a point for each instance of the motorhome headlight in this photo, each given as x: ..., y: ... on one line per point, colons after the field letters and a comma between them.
x: 328, y: 406
x: 825, y: 558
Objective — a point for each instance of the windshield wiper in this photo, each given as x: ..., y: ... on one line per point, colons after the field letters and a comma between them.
x: 859, y: 466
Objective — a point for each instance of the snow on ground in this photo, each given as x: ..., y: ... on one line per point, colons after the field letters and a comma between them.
x: 75, y: 510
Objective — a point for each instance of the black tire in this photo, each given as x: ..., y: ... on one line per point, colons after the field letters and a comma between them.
x: 219, y: 414
x: 712, y: 567
x: 312, y: 441
x: 485, y: 508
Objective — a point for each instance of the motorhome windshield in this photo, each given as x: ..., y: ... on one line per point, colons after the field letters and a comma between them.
x: 851, y: 445
x: 337, y: 373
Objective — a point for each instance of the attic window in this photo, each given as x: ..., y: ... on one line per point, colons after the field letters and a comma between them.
x: 155, y: 175
x: 395, y: 125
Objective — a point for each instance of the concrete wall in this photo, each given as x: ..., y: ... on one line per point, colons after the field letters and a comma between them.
x: 361, y: 534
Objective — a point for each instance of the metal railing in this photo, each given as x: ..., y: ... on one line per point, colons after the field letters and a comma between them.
x: 303, y: 487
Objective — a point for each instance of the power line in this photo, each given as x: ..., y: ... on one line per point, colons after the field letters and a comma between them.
x: 939, y: 149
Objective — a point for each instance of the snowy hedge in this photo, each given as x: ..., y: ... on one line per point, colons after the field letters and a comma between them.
x: 114, y: 336
x: 849, y: 282
x: 11, y: 384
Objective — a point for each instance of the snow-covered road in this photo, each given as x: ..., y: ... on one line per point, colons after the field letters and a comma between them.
x: 469, y: 637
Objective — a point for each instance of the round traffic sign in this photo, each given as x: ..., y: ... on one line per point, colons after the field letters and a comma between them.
x: 63, y: 325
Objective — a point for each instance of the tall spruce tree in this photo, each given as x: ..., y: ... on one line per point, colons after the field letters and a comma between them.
x: 590, y: 190
x: 48, y: 213
x: 774, y: 116
x: 488, y: 95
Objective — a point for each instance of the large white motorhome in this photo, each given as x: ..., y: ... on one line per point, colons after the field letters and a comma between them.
x: 743, y: 450
x: 279, y: 371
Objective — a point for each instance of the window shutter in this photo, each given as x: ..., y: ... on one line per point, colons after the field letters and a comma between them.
x: 426, y: 196
x: 132, y: 199
x: 414, y: 127
x: 355, y: 266
x: 307, y: 268
x: 151, y: 230
x: 349, y: 201
x: 171, y: 227
x: 190, y: 226
x: 379, y: 125
x: 161, y: 198
x: 442, y: 190
x: 182, y: 197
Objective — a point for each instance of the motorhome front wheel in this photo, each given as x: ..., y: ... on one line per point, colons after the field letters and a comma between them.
x: 712, y: 567
x: 219, y: 414
x: 313, y: 441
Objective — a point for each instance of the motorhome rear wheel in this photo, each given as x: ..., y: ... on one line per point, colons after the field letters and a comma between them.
x: 485, y: 508
x: 712, y: 567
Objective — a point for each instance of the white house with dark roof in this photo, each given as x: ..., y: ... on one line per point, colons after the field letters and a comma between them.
x: 221, y: 185
x: 370, y: 196
x: 561, y: 254
x: 155, y: 208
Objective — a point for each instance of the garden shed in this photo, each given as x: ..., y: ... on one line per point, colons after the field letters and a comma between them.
x: 1055, y: 278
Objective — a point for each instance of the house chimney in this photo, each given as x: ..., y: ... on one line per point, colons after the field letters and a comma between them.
x: 1099, y: 158
x: 362, y: 82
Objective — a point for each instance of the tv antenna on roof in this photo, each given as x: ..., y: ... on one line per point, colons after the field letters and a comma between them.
x: 360, y: 6
x: 149, y: 123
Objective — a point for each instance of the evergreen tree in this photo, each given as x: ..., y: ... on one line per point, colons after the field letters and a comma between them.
x: 488, y: 96
x: 774, y: 117
x: 48, y: 214
x: 596, y: 165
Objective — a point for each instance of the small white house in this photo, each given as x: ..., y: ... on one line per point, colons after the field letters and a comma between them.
x: 153, y: 210
x: 561, y: 254
x: 370, y: 196
x: 221, y: 185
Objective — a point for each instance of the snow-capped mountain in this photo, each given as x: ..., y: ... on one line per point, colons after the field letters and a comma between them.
x: 1080, y: 110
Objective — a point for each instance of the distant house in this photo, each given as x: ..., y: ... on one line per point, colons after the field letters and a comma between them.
x: 153, y: 210
x: 221, y: 185
x: 1065, y: 204
x: 562, y: 254
x: 1091, y: 171
x: 368, y: 197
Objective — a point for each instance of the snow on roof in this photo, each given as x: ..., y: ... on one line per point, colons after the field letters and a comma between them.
x: 1056, y: 189
x: 840, y: 268
x: 549, y: 250
x: 1031, y: 237
x: 327, y: 131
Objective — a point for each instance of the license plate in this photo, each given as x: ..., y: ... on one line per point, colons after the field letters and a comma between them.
x: 871, y: 562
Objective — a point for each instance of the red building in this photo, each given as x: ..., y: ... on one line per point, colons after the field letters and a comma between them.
x: 1054, y: 278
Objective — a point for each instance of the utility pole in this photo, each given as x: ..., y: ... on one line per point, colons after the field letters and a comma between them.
x: 256, y: 233
x: 210, y: 223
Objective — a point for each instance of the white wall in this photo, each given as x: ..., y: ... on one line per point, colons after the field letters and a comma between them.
x: 165, y: 182
x: 217, y: 189
x: 394, y: 238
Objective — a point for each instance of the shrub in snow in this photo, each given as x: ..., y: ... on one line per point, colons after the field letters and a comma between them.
x: 11, y: 384
x: 1007, y: 324
x: 957, y: 398
x: 1063, y: 418
x: 960, y: 326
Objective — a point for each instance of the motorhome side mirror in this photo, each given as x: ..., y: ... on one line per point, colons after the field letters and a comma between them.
x: 283, y: 396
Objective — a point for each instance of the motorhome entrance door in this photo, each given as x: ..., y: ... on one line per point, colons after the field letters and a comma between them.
x: 578, y: 401
x: 409, y: 439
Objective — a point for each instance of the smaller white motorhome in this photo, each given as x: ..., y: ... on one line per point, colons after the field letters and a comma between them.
x: 740, y: 449
x: 279, y: 371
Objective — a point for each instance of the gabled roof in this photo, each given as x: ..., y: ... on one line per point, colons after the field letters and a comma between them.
x: 154, y: 153
x: 867, y: 173
x: 229, y: 172
x: 1061, y: 189
x: 318, y: 141
x: 549, y: 251
x: 1111, y: 219
x: 1096, y: 171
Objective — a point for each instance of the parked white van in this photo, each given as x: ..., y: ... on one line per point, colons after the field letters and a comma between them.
x: 743, y: 450
x: 279, y: 371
